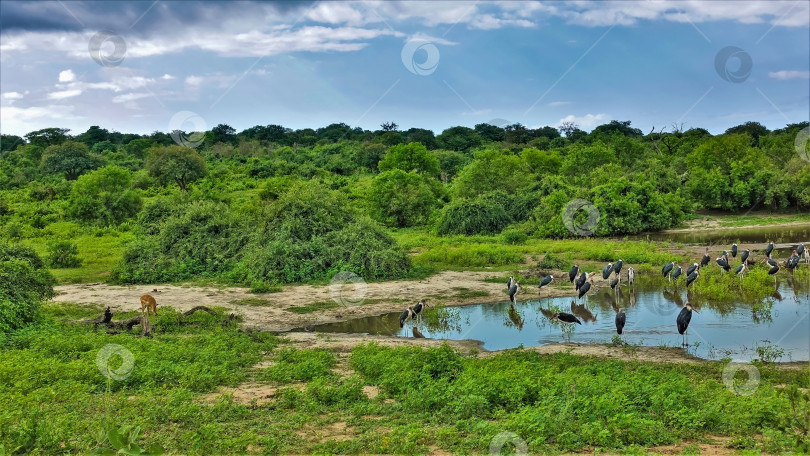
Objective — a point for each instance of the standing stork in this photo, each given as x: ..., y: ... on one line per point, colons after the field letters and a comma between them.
x: 683, y: 321
x: 744, y: 255
x: 513, y: 291
x: 734, y: 250
x: 667, y: 270
x: 418, y: 308
x: 723, y: 263
x: 615, y: 282
x: 572, y: 274
x: 803, y: 253
x: 706, y: 259
x: 607, y: 270
x: 793, y: 261
x: 617, y: 267
x: 774, y: 269
x: 769, y: 249
x: 631, y: 276
x: 546, y: 280
x: 692, y: 277
x: 567, y: 318
x: 676, y: 272
x: 584, y: 288
x: 406, y: 315
x: 583, y: 277
x: 509, y: 283
x: 725, y: 256
x: 740, y: 271
x: 692, y: 269
x: 621, y: 318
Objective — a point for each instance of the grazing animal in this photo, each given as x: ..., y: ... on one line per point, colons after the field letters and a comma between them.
x: 148, y: 303
x: 513, y: 291
x: 744, y: 255
x: 572, y: 274
x: 667, y: 269
x: 683, y: 319
x: 631, y: 276
x: 607, y: 270
x: 692, y: 277
x: 621, y: 318
x: 405, y: 316
x: 617, y: 268
x: 734, y: 250
x: 769, y: 249
x: 567, y: 317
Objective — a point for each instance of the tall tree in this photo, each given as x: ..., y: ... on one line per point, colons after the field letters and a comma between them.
x: 178, y: 164
x: 48, y: 136
x: 71, y: 158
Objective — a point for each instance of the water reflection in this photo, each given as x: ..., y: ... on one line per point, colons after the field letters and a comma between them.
x: 776, y: 234
x: 724, y: 329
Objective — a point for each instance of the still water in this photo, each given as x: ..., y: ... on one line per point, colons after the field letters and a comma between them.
x: 756, y: 235
x: 733, y: 329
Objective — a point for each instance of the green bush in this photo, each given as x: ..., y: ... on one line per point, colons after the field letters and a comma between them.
x: 401, y: 199
x: 472, y: 217
x: 24, y: 283
x: 63, y: 254
x: 104, y: 196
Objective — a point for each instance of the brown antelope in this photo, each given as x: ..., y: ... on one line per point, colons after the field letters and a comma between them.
x: 148, y: 302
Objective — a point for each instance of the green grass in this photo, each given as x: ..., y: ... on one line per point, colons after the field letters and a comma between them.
x: 56, y: 401
x: 755, y: 219
x: 255, y: 302
x: 314, y: 307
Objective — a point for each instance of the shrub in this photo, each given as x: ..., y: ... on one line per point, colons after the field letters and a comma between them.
x: 473, y: 217
x: 401, y: 199
x: 63, y: 254
x: 104, y: 196
x: 24, y: 283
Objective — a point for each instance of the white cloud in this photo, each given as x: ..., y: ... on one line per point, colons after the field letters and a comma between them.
x: 430, y: 39
x: 336, y: 13
x: 62, y: 94
x: 21, y: 120
x: 167, y: 77
x: 194, y: 80
x: 129, y: 97
x: 586, y: 121
x: 13, y: 96
x: 789, y: 74
x: 67, y: 76
x: 490, y: 22
x: 558, y: 103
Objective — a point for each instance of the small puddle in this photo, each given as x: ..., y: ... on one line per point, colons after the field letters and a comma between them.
x: 731, y: 330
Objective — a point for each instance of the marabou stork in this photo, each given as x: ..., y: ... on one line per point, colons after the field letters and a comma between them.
x: 723, y: 263
x: 740, y: 270
x: 774, y: 269
x: 683, y: 320
x: 581, y: 280
x: 667, y: 269
x: 406, y: 315
x: 546, y: 280
x: 706, y: 259
x: 607, y: 270
x: 621, y: 318
x: 744, y: 255
x: 676, y: 273
x: 567, y: 318
x: 572, y: 274
x: 584, y: 288
x: 614, y: 282
x: 631, y: 276
x: 418, y: 308
x: 692, y: 277
x: 769, y: 249
x: 617, y: 267
x: 513, y: 291
x: 691, y: 269
x: 734, y: 250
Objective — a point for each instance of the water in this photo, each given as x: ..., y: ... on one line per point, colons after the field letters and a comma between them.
x: 731, y: 330
x: 753, y: 235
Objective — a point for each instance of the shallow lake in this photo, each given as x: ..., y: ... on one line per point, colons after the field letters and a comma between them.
x: 756, y: 235
x: 731, y: 330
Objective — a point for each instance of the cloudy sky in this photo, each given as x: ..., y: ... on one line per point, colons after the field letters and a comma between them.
x: 160, y: 65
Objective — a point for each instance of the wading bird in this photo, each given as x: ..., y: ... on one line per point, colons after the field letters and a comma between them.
x: 510, y: 282
x: 676, y: 273
x: 725, y: 256
x: 683, y: 321
x: 572, y: 274
x: 607, y: 270
x: 614, y: 282
x: 667, y: 269
x: 744, y: 255
x: 418, y: 308
x: 692, y: 277
x: 567, y: 317
x: 406, y: 314
x: 691, y: 269
x: 546, y: 280
x: 769, y: 249
x: 793, y: 261
x: 631, y: 276
x: 706, y: 259
x: 771, y: 262
x: 621, y: 318
x: 513, y: 291
x: 583, y: 277
x: 584, y: 288
x: 740, y: 270
x: 734, y: 250
x: 803, y: 253
x: 774, y: 269
x: 723, y: 263
x: 617, y: 268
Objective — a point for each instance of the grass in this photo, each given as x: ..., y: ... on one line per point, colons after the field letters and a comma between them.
x: 56, y: 401
x: 314, y: 307
x: 255, y: 302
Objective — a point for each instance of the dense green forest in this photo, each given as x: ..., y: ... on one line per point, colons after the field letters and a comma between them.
x: 272, y: 205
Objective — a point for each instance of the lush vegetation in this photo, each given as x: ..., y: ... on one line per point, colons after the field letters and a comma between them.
x: 56, y: 400
x: 271, y: 205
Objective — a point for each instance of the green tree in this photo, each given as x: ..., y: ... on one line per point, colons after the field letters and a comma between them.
x: 24, y: 283
x: 104, y: 196
x: 411, y: 157
x: 753, y: 129
x: 399, y: 198
x: 10, y: 142
x: 48, y: 136
x: 223, y: 133
x: 178, y: 164
x: 420, y: 135
x: 71, y: 158
x: 492, y: 170
x: 94, y: 135
x: 459, y: 139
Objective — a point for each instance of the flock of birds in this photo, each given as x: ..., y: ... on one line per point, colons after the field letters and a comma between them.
x: 583, y: 282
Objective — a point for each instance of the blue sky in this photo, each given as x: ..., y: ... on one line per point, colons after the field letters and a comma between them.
x: 309, y: 64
